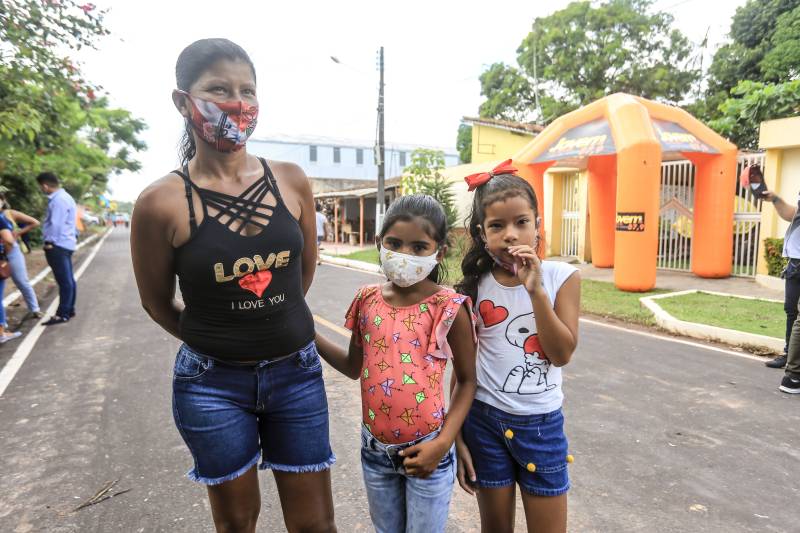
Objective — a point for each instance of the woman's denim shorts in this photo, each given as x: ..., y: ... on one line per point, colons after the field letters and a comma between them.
x: 528, y: 449
x: 231, y: 415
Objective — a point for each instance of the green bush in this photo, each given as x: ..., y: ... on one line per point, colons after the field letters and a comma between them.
x: 773, y: 253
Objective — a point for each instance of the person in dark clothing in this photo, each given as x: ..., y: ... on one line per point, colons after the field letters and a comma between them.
x: 239, y: 233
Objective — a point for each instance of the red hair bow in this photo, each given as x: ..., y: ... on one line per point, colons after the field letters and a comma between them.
x: 476, y: 180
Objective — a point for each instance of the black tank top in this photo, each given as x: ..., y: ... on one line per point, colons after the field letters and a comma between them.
x: 243, y: 294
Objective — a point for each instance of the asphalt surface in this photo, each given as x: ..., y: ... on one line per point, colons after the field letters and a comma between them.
x: 666, y: 437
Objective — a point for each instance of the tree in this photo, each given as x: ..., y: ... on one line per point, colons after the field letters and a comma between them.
x: 763, y: 48
x: 753, y: 103
x: 464, y: 143
x: 423, y: 176
x: 50, y: 117
x: 584, y: 52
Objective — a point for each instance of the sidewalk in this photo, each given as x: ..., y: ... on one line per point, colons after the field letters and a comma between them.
x: 329, y: 248
x: 682, y: 281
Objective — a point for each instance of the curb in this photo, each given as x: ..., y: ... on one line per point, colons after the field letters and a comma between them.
x: 12, y: 297
x: 771, y: 282
x: 351, y: 263
x: 707, y: 332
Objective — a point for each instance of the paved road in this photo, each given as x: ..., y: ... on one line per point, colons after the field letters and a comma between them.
x: 666, y: 437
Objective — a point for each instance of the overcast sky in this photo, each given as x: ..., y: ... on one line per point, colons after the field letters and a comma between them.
x: 434, y: 53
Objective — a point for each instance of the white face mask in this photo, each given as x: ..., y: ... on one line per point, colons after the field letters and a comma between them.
x: 405, y: 270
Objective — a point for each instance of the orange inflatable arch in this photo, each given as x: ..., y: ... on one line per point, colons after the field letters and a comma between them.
x: 621, y: 140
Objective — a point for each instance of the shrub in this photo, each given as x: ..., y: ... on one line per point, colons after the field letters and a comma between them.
x: 773, y: 253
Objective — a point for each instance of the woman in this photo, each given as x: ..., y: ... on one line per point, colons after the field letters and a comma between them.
x: 16, y: 257
x: 6, y: 244
x: 232, y: 227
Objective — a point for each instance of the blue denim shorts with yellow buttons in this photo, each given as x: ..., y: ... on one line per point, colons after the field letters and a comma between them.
x: 531, y: 450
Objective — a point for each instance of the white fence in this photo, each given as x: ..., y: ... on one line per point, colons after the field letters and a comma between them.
x: 675, y: 218
x: 570, y: 215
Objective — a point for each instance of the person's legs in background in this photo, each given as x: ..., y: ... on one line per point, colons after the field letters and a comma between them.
x: 790, y: 300
x: 60, y: 261
x: 791, y: 379
x: 4, y: 334
x: 19, y: 273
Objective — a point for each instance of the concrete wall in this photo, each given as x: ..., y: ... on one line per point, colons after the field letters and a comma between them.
x: 495, y: 144
x: 347, y: 168
x: 781, y: 139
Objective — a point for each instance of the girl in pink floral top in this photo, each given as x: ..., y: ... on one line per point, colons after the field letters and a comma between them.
x: 404, y: 331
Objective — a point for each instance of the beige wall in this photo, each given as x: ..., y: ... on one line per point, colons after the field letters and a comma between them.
x: 781, y: 139
x: 495, y: 144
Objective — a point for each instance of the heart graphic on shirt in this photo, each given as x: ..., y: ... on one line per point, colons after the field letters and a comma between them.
x: 532, y: 346
x: 492, y: 314
x: 257, y: 282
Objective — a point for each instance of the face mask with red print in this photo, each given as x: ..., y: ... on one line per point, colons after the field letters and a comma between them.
x: 225, y: 126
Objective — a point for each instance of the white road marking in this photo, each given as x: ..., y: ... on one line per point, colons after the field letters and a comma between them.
x: 330, y: 325
x: 673, y: 339
x: 26, y: 346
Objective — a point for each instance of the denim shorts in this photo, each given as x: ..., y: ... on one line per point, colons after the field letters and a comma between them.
x: 230, y: 415
x: 528, y: 449
x: 398, y: 502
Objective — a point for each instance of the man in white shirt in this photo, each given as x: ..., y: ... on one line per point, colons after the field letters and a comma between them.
x: 791, y: 250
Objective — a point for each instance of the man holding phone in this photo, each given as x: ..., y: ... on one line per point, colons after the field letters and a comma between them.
x: 791, y: 249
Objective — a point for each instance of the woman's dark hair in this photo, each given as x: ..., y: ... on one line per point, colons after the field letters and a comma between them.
x: 477, y: 261
x: 193, y: 61
x: 419, y: 206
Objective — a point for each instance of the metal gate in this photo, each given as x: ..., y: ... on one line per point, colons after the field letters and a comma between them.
x: 675, y: 218
x: 746, y: 221
x: 570, y: 214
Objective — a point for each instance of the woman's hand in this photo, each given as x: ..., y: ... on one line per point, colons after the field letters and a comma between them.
x: 421, y: 460
x: 465, y: 471
x: 529, y: 267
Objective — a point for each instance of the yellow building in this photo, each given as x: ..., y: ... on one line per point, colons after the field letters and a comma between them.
x: 493, y: 141
x: 781, y: 140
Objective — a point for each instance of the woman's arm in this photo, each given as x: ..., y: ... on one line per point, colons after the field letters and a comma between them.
x: 348, y: 362
x: 422, y: 459
x: 7, y: 239
x: 307, y: 217
x: 153, y: 256
x: 29, y: 221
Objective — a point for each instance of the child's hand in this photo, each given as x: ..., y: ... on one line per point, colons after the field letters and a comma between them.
x: 465, y: 471
x: 421, y: 460
x: 529, y: 267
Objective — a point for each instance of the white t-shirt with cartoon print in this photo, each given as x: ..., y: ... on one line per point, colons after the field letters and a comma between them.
x: 514, y: 374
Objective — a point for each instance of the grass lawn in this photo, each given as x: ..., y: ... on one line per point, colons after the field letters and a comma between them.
x: 604, y: 299
x: 751, y: 316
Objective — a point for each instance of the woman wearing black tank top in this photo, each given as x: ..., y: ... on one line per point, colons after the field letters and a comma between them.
x: 239, y: 233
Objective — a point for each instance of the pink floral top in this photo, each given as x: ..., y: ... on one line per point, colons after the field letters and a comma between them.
x: 405, y: 355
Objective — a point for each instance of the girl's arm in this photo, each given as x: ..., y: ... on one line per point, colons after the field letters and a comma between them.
x: 29, y: 221
x: 557, y: 326
x: 348, y: 363
x: 422, y: 459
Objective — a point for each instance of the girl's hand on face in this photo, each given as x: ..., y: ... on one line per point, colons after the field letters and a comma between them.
x: 465, y: 471
x: 421, y: 460
x: 529, y: 267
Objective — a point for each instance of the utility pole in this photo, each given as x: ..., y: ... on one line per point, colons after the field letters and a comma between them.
x: 380, y: 199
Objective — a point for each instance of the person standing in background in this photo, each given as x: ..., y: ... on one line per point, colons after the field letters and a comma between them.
x: 322, y: 230
x: 6, y: 243
x: 60, y: 240
x: 19, y: 271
